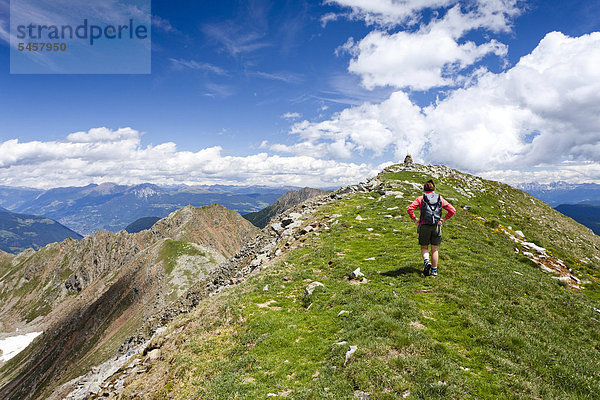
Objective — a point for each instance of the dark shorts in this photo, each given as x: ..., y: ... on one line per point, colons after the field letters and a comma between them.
x: 430, y: 234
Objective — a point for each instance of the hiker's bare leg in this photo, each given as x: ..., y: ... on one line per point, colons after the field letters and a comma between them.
x: 425, y: 252
x: 434, y: 255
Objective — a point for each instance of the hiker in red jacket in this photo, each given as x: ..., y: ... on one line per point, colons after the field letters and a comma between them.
x: 429, y: 224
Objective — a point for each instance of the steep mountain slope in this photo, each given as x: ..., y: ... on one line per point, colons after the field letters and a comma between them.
x: 261, y: 218
x: 13, y: 197
x: 21, y: 231
x: 494, y: 324
x: 90, y: 296
x: 141, y: 224
x: 585, y: 214
x: 111, y: 207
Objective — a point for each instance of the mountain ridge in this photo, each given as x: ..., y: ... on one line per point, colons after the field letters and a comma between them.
x: 490, y: 325
x: 88, y: 297
x: 390, y: 333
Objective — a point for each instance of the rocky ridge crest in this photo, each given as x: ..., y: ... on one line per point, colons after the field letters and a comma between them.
x: 89, y: 296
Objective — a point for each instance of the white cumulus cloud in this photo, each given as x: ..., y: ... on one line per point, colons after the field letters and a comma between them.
x: 545, y: 109
x: 429, y: 57
x: 396, y: 122
x: 542, y: 113
x: 101, y: 155
x: 418, y: 61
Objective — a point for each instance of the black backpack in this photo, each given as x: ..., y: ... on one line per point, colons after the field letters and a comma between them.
x: 431, y: 209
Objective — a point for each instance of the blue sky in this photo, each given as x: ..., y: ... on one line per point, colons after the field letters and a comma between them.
x: 319, y: 93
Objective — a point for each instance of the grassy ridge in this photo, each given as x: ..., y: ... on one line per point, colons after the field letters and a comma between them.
x: 492, y: 325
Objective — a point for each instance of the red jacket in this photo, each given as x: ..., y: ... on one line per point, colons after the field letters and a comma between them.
x: 419, y: 200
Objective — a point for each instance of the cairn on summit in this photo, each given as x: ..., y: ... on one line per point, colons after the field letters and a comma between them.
x: 408, y: 160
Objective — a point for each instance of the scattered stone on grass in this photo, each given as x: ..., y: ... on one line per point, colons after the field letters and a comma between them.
x: 356, y: 274
x: 359, y: 394
x: 350, y: 352
x: 417, y: 324
x: 311, y: 288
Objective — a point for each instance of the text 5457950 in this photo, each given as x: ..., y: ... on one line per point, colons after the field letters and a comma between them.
x: 35, y: 46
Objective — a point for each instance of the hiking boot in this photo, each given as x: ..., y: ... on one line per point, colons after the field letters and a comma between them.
x: 434, y: 271
x: 426, y: 268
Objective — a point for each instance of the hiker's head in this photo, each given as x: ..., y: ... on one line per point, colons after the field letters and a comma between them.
x: 429, y: 186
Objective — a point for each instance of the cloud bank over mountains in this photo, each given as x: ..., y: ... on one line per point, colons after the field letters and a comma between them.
x: 101, y: 155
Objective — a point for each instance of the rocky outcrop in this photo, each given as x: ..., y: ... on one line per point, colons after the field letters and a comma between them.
x: 215, y: 226
x: 547, y: 262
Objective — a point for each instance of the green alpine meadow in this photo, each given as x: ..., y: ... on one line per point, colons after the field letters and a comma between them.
x: 496, y: 323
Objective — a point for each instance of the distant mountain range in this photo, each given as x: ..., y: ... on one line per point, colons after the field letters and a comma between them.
x: 112, y: 207
x: 578, y: 201
x: 21, y: 231
x: 11, y: 198
x: 563, y: 193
